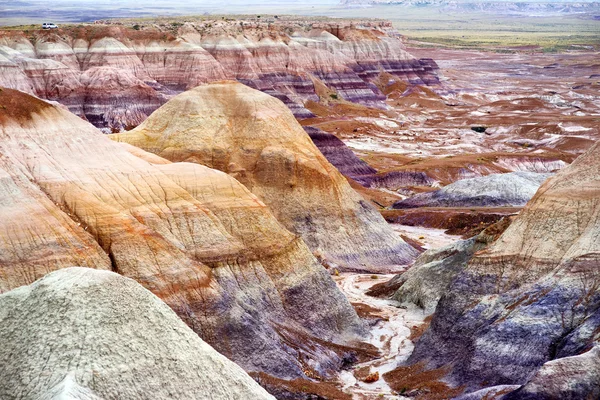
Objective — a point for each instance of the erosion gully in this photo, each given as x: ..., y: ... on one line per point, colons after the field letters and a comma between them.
x: 390, y: 333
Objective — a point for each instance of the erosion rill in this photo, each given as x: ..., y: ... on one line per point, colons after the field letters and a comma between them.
x: 192, y: 235
x: 116, y: 76
x: 256, y: 139
x: 522, y: 318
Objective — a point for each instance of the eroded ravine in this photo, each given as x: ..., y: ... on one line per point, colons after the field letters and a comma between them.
x: 391, y: 324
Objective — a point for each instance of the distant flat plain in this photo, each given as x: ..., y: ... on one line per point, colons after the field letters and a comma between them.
x: 424, y: 26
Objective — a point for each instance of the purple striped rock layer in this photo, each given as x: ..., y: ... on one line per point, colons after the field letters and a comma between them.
x: 351, y: 166
x: 115, y: 77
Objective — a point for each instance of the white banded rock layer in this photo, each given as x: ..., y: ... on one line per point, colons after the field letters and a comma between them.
x: 495, y: 190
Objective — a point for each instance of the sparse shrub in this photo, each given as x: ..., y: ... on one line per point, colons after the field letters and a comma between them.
x: 333, y: 96
x: 374, y: 377
x: 136, y: 27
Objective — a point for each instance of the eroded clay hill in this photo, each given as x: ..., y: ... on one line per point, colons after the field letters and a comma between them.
x: 527, y: 308
x: 115, y: 76
x: 192, y: 235
x: 256, y: 139
x: 496, y: 190
x: 68, y: 335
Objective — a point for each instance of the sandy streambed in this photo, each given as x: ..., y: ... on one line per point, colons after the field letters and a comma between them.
x: 430, y: 237
x: 389, y: 334
x: 391, y: 321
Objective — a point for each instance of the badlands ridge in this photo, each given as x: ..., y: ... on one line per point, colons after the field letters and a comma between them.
x: 195, y: 236
x: 115, y: 76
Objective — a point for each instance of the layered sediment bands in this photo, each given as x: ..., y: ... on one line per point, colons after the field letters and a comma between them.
x: 256, y: 139
x: 569, y: 378
x: 70, y: 334
x: 375, y: 51
x: 193, y: 236
x: 348, y: 163
x: 116, y: 76
x: 338, y: 154
x: 292, y: 90
x: 529, y: 301
x: 116, y: 99
x: 395, y: 180
x: 455, y: 221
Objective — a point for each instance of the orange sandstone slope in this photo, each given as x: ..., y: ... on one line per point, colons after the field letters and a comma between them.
x: 256, y: 139
x: 192, y: 235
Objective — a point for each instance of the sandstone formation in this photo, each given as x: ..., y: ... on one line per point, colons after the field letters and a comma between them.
x: 256, y: 139
x: 81, y: 333
x: 429, y: 277
x: 526, y: 308
x: 116, y: 76
x: 192, y: 235
x: 496, y: 190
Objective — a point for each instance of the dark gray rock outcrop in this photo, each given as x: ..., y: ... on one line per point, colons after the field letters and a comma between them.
x: 351, y: 166
x: 340, y: 155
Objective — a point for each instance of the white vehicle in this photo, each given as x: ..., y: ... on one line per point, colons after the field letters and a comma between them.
x: 49, y: 25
